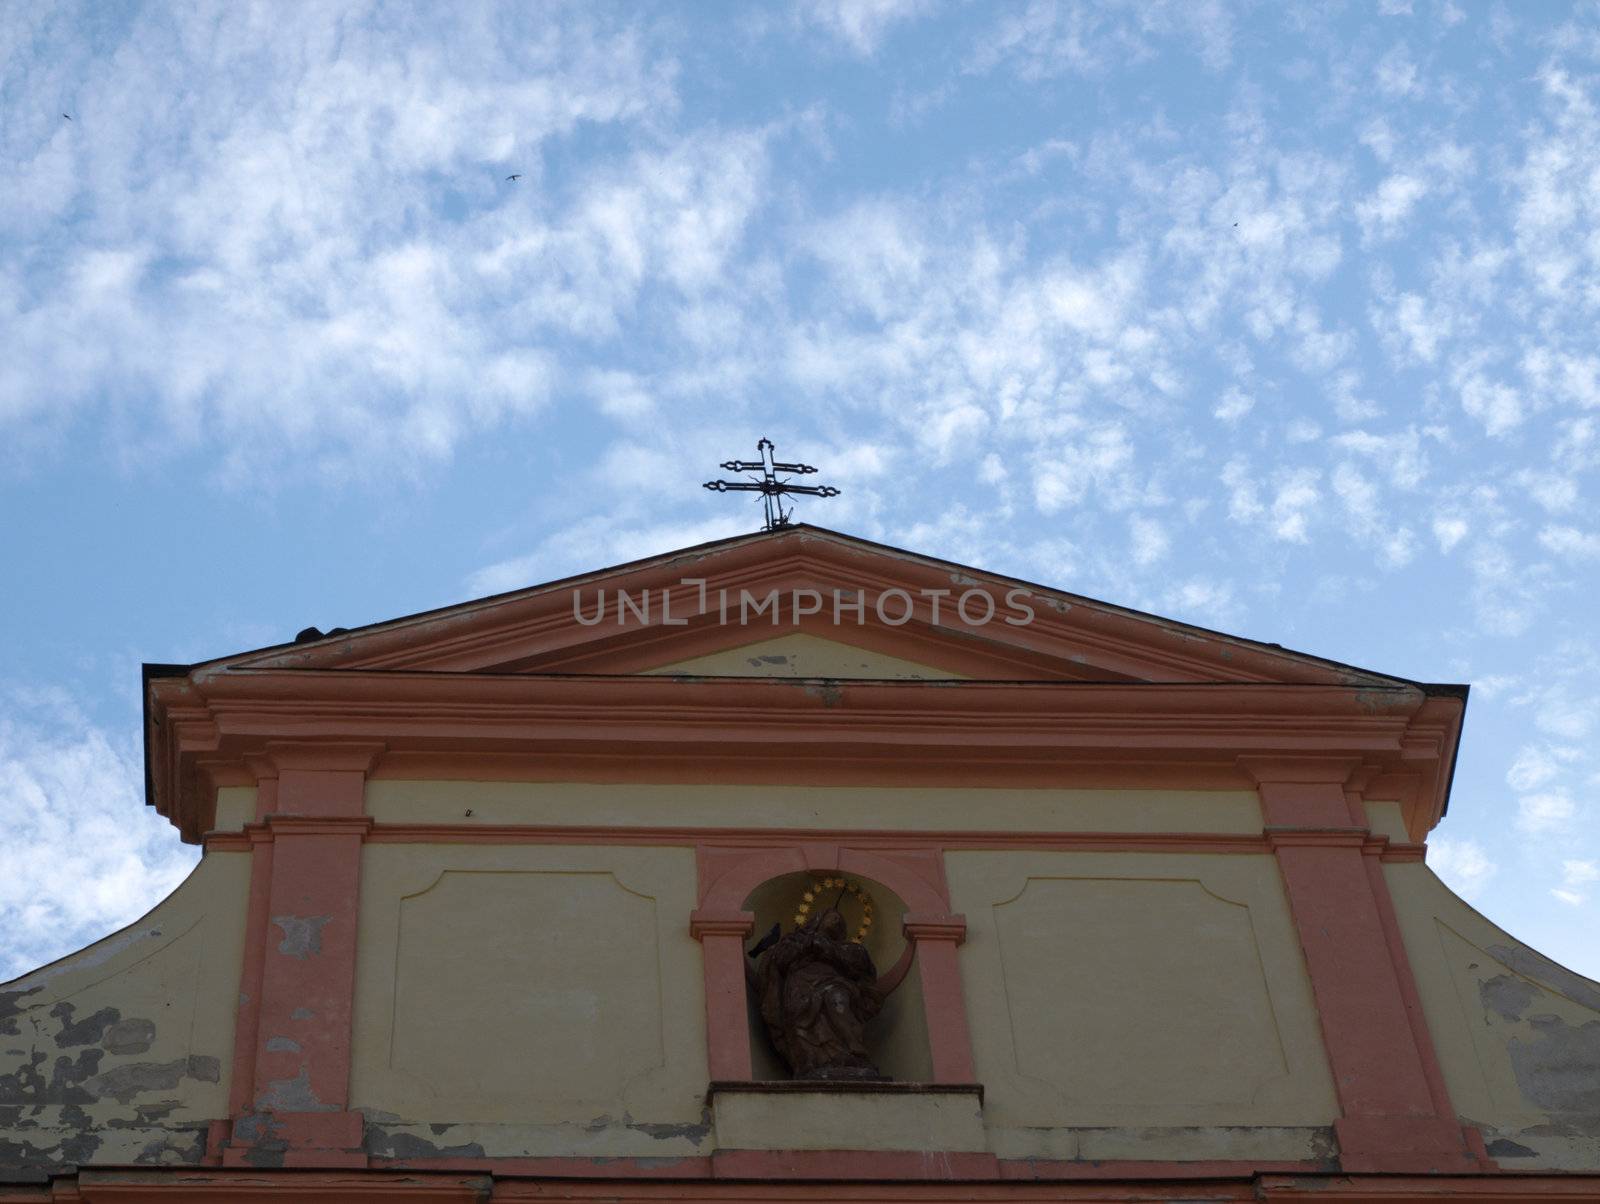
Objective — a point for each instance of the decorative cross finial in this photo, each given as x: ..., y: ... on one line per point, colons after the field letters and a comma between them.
x: 768, y: 485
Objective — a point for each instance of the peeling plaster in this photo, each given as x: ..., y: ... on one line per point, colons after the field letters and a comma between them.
x: 666, y: 1132
x: 132, y: 1036
x: 83, y: 959
x: 292, y: 1095
x: 264, y: 1149
x: 382, y: 1143
x: 1506, y: 996
x: 1504, y: 1147
x: 1536, y: 966
x: 1557, y: 1064
x: 302, y: 935
x: 124, y: 1082
x: 828, y: 691
x: 10, y: 1009
x: 83, y: 1032
x: 1559, y: 1069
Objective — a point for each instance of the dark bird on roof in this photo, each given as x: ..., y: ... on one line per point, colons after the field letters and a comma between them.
x: 515, y: 177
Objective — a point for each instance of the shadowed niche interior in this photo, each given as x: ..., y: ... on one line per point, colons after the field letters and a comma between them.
x: 897, y: 1037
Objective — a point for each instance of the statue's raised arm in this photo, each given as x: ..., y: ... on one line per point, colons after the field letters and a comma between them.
x: 897, y: 972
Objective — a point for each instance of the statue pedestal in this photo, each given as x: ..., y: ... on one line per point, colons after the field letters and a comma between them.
x: 838, y: 1115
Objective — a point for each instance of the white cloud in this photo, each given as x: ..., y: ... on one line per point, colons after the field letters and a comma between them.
x: 1202, y: 600
x: 1449, y: 531
x: 1102, y: 460
x: 861, y: 24
x: 1047, y: 39
x: 621, y: 395
x: 1386, y: 210
x: 1570, y: 542
x: 83, y: 855
x: 1397, y: 74
x: 1550, y: 811
x: 1535, y: 766
x: 596, y: 543
x: 1576, y: 875
x: 1498, y: 406
x: 1462, y: 863
x: 1580, y: 873
x: 313, y: 245
x: 1420, y: 330
x: 1149, y: 539
x: 1399, y: 455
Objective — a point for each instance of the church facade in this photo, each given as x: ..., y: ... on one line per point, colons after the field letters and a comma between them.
x: 798, y: 867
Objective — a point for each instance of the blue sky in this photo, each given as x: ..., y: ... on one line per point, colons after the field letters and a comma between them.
x: 1273, y: 318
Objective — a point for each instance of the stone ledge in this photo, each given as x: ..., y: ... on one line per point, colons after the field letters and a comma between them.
x: 841, y: 1087
x: 825, y: 1115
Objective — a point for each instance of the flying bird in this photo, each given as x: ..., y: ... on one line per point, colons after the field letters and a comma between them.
x: 515, y: 177
x: 68, y: 116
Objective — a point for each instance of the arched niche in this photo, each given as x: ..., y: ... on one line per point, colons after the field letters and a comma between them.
x: 725, y: 929
x: 897, y: 1038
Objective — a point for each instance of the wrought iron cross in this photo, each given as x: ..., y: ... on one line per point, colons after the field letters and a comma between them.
x: 768, y: 485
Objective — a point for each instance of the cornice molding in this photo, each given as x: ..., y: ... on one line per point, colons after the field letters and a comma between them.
x: 217, y: 728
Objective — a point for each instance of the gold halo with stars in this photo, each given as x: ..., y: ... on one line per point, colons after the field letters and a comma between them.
x: 812, y: 898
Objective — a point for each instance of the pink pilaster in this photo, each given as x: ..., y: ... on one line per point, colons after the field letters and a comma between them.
x: 1393, y: 1117
x: 300, y: 964
x: 722, y: 936
x: 949, y: 1041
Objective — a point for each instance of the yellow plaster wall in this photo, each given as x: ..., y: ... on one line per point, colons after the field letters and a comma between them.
x: 236, y: 806
x: 1139, y: 1006
x: 837, y: 807
x: 534, y: 1000
x: 121, y: 1052
x: 1387, y: 819
x: 801, y: 655
x: 1518, y: 1036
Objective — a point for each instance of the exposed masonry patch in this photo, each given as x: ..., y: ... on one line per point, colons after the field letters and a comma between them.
x: 1506, y: 995
x: 1559, y: 1069
x: 382, y: 1143
x: 131, y: 1036
x: 1535, y: 965
x: 388, y: 1136
x: 696, y: 1132
x: 265, y: 1148
x: 827, y: 691
x: 292, y: 1095
x: 124, y: 1082
x: 83, y: 1032
x: 302, y: 935
x: 302, y: 1014
x: 665, y: 1132
x: 10, y: 1009
x: 1502, y: 1147
x: 178, y: 1148
x: 282, y: 1045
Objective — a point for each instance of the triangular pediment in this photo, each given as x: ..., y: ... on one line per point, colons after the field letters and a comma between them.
x: 801, y: 655
x: 804, y: 602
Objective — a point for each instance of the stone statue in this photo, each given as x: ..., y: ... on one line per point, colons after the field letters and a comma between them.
x: 817, y: 991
